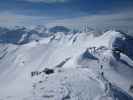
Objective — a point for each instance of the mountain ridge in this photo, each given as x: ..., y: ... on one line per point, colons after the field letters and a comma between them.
x: 89, y: 67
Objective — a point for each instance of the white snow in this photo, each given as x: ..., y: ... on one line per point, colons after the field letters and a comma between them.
x: 84, y: 67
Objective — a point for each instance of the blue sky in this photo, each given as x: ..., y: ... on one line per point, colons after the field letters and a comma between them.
x: 64, y: 8
x: 33, y: 12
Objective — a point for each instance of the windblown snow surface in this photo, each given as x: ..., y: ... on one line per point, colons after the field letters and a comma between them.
x: 68, y: 67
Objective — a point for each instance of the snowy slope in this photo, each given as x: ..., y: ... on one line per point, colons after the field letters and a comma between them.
x: 68, y: 67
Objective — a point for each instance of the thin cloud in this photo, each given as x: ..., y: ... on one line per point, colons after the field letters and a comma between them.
x: 122, y: 21
x: 11, y: 19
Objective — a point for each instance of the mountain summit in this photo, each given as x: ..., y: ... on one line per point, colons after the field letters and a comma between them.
x: 60, y: 66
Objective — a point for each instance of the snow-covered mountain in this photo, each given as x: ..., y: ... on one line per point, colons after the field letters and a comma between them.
x: 63, y: 66
x: 21, y: 35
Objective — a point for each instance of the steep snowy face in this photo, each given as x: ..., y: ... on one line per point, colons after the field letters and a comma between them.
x: 60, y: 38
x: 121, y: 42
